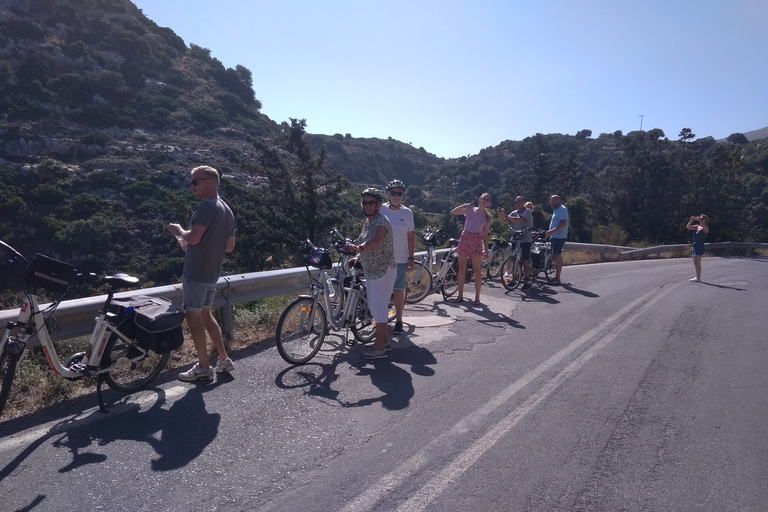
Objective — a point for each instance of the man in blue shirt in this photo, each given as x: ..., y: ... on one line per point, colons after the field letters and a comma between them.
x: 558, y: 232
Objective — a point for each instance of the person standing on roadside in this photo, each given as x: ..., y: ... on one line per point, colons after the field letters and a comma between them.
x: 377, y: 255
x: 522, y: 217
x: 473, y: 242
x: 558, y: 233
x: 211, y: 234
x: 401, y: 218
x: 700, y: 232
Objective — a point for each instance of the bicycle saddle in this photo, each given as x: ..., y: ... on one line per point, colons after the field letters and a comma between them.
x: 453, y: 242
x: 120, y: 280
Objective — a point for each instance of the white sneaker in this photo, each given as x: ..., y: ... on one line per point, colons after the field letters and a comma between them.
x: 695, y: 280
x: 196, y: 373
x: 225, y: 366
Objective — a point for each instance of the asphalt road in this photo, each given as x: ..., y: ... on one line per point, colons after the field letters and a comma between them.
x: 627, y: 388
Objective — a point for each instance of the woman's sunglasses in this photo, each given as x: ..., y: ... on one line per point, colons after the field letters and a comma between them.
x: 393, y: 193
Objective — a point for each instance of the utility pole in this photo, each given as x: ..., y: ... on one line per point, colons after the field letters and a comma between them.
x: 641, y: 120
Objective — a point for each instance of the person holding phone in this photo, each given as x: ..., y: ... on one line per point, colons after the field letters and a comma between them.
x: 700, y: 231
x: 473, y: 242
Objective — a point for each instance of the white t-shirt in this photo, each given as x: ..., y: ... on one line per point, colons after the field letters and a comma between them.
x: 402, y: 222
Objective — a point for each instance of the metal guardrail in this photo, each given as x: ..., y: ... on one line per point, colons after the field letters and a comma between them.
x: 76, y: 317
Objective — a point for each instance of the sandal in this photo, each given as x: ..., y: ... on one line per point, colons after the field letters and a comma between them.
x: 458, y: 299
x: 477, y: 302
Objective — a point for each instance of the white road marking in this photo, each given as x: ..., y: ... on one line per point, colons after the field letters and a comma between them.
x: 415, y: 464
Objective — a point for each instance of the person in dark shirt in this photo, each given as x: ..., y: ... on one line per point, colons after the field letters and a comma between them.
x: 700, y: 231
x: 211, y: 233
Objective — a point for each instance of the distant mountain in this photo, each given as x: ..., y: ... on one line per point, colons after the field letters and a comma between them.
x: 103, y: 114
x: 756, y: 134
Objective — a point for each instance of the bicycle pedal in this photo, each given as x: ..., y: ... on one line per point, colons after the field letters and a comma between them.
x: 351, y: 343
x: 77, y: 367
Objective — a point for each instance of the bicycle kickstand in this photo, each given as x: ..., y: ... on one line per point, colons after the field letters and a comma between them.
x: 102, y: 407
x: 349, y: 343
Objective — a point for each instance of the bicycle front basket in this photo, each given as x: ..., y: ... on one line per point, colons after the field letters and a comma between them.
x: 50, y: 274
x: 518, y: 234
x: 319, y: 258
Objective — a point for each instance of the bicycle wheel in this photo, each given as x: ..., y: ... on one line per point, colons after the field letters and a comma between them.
x: 418, y: 283
x: 549, y: 268
x: 128, y: 376
x: 364, y: 328
x: 510, y: 273
x: 451, y: 280
x: 299, y: 333
x: 8, y: 365
x: 493, y: 269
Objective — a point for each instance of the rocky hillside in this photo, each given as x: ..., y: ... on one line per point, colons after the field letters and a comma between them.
x: 103, y: 113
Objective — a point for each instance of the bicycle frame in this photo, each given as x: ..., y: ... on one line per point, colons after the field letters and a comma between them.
x: 30, y: 317
x: 429, y: 259
x: 347, y: 297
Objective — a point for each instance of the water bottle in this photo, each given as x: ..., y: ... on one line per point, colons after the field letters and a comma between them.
x: 329, y: 284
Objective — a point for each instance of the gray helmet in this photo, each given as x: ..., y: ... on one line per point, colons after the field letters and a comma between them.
x: 373, y: 192
x: 395, y: 184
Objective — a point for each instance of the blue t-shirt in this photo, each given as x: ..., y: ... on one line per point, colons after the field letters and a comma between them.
x: 559, y: 214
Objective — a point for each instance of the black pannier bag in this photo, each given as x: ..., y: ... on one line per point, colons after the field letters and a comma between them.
x: 154, y: 322
x: 48, y: 273
x: 319, y: 258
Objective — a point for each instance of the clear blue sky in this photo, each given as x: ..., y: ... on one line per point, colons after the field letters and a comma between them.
x: 456, y: 76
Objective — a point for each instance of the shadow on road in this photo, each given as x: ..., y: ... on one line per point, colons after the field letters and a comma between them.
x: 396, y: 384
x: 490, y: 318
x: 175, y: 438
x: 723, y: 286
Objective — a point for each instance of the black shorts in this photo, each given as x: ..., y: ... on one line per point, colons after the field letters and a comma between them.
x: 525, y: 250
x: 557, y: 245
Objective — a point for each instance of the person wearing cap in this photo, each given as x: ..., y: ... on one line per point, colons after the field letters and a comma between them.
x: 376, y: 252
x: 404, y: 241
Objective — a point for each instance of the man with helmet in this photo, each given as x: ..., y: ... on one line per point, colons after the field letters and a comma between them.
x: 401, y: 218
x: 377, y: 256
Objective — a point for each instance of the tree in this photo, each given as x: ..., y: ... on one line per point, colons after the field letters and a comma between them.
x: 686, y: 134
x: 738, y: 138
x: 245, y: 75
x: 584, y: 134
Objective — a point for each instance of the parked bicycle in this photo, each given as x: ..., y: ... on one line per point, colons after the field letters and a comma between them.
x: 422, y: 281
x: 337, y: 301
x: 116, y: 352
x: 541, y: 260
x: 512, y: 268
x: 497, y: 253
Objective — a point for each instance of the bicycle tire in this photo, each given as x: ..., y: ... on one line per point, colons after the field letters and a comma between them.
x: 8, y: 366
x: 298, y: 336
x: 493, y: 269
x: 451, y: 281
x: 510, y: 273
x: 364, y: 328
x: 418, y: 283
x: 549, y: 268
x: 130, y: 377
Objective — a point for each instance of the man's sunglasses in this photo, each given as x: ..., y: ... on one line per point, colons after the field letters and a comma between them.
x: 393, y: 193
x: 368, y: 203
x: 197, y: 180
